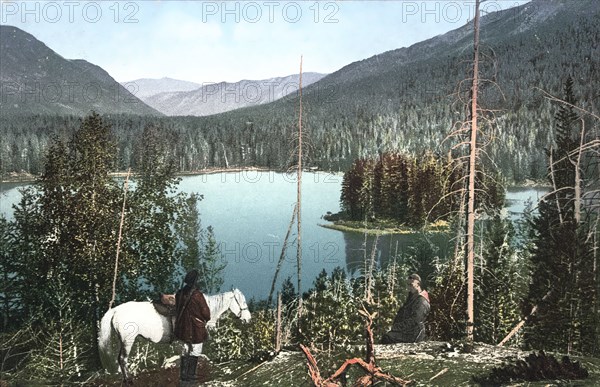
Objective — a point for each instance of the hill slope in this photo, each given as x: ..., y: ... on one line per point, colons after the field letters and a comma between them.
x: 36, y: 80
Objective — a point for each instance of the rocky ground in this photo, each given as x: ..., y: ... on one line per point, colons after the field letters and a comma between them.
x: 426, y: 364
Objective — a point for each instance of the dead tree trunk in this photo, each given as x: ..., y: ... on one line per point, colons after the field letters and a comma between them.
x: 281, y: 256
x: 552, y: 176
x: 299, y: 202
x: 472, y: 173
x: 114, y: 284
x: 278, y: 326
x: 521, y: 323
x: 225, y: 156
x: 578, y: 182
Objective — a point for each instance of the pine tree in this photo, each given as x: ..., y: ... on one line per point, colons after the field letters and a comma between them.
x: 212, y: 264
x: 288, y: 291
x: 150, y: 238
x: 189, y: 229
x: 498, y: 287
x: 8, y: 282
x: 357, y: 188
x: 72, y: 210
x: 561, y: 258
x: 199, y: 248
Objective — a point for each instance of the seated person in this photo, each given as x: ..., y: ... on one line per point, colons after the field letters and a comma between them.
x: 409, y: 323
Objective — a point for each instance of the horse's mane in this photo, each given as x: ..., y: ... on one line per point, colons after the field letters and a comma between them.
x: 216, y: 304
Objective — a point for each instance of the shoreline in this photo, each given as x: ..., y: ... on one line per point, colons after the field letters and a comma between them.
x: 383, y: 228
x: 25, y: 177
x: 368, y: 231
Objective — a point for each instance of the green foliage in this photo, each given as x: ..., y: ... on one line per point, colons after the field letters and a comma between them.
x: 330, y: 316
x: 404, y: 188
x: 330, y: 309
x: 212, y: 264
x: 447, y: 319
x: 199, y: 248
x: 66, y: 224
x: 60, y: 354
x: 422, y: 257
x: 233, y: 339
x: 189, y: 229
x: 288, y: 291
x: 227, y: 340
x: 499, y: 286
x: 388, y: 294
x: 150, y: 236
x: 535, y: 367
x: 562, y: 254
x: 391, y: 186
x: 64, y: 237
x: 356, y: 196
x: 51, y: 349
x: 9, y: 304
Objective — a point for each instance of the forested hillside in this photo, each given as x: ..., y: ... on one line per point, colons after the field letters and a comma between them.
x: 402, y: 100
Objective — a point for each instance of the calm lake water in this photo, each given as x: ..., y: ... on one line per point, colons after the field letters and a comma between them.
x: 250, y: 212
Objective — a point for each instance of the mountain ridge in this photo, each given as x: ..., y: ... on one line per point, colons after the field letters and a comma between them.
x: 37, y: 80
x: 215, y: 98
x: 146, y: 87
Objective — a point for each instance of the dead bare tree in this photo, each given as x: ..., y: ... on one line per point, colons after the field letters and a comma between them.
x: 299, y: 191
x: 465, y: 157
x: 472, y: 175
x: 282, y: 255
x: 521, y: 323
x: 114, y: 285
x: 368, y: 364
x: 369, y: 269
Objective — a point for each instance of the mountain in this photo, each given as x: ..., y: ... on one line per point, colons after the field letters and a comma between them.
x: 222, y: 97
x: 409, y: 99
x: 36, y: 80
x: 146, y: 87
x: 405, y: 71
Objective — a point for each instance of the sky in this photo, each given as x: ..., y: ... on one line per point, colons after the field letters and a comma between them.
x: 214, y: 41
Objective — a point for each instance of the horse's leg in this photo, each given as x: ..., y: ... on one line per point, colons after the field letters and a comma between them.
x: 123, y: 353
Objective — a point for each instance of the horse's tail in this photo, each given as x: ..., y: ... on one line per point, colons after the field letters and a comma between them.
x: 107, y: 342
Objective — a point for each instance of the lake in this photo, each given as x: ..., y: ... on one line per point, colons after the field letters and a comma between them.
x: 250, y: 212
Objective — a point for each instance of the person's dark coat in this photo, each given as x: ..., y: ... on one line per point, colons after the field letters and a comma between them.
x: 409, y: 323
x: 192, y: 315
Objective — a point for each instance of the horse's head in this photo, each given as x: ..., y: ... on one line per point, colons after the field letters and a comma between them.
x: 239, y: 307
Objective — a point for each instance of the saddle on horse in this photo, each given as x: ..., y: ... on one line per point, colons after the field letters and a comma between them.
x: 165, y: 305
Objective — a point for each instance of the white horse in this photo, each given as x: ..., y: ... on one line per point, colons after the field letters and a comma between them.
x: 122, y: 324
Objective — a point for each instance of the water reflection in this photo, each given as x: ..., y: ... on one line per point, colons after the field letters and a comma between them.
x: 390, y: 247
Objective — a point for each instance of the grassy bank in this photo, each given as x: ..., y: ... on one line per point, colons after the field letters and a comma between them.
x: 380, y: 227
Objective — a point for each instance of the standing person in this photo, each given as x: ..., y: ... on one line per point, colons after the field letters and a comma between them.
x: 409, y: 323
x: 192, y: 314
